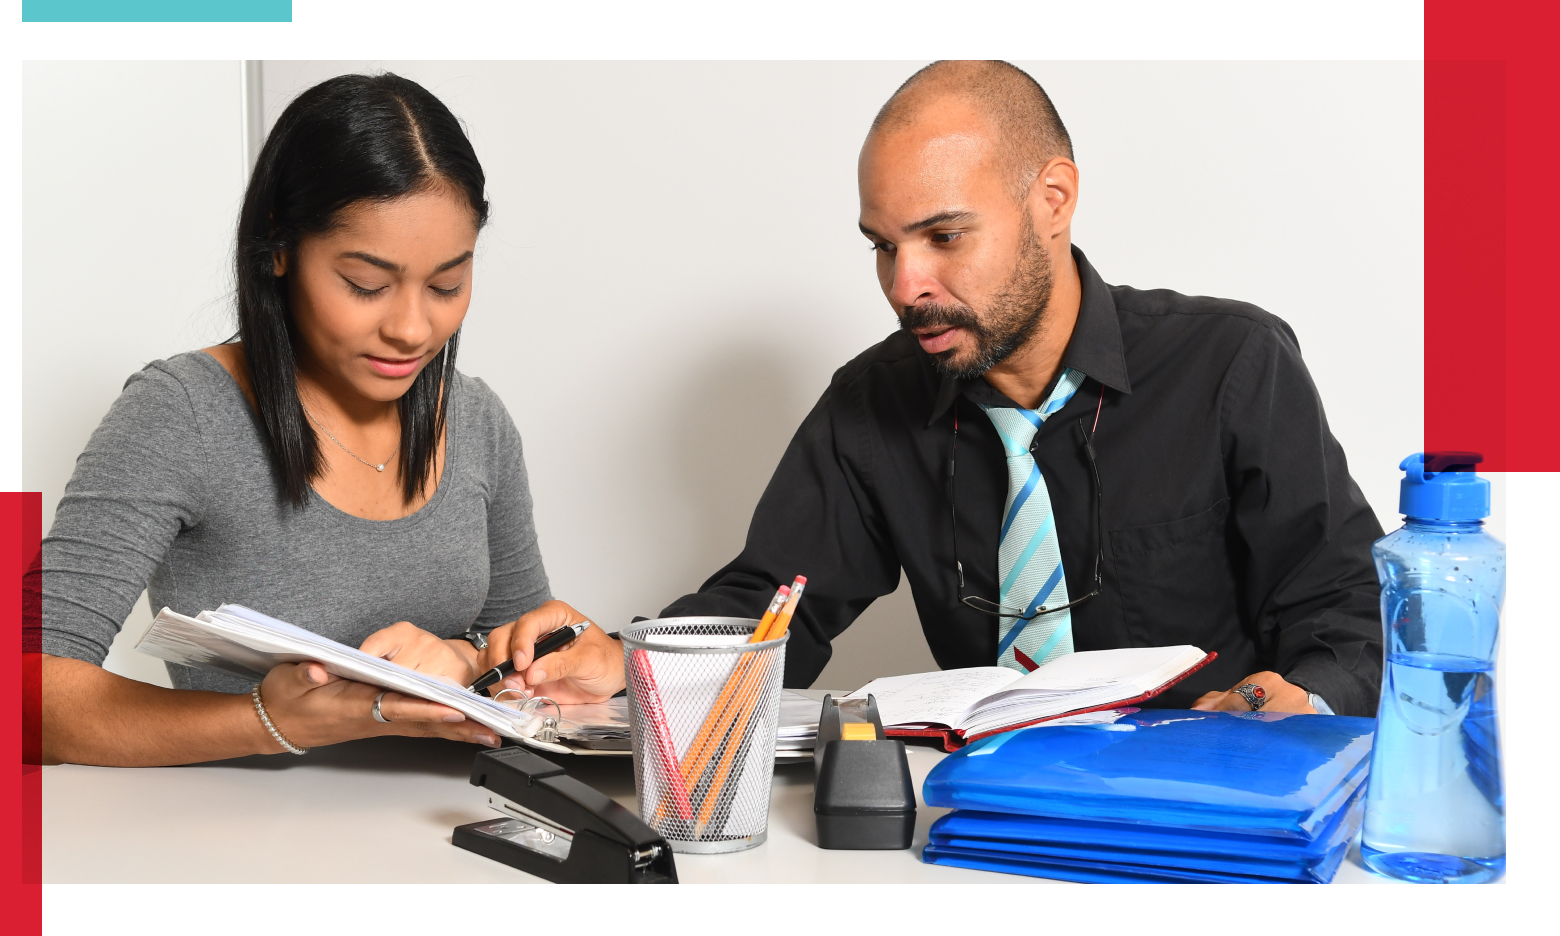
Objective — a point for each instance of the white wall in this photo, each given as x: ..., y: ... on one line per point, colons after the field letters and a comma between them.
x: 132, y: 177
x: 673, y: 270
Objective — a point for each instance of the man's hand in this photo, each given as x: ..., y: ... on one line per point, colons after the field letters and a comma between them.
x: 1282, y: 696
x: 408, y: 645
x: 588, y: 670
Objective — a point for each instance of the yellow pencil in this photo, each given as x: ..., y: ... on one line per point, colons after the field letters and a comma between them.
x: 734, y: 745
x: 707, y: 741
x: 775, y: 605
x: 783, y: 621
x: 750, y: 683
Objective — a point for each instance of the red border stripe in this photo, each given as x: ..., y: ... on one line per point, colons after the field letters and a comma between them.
x: 20, y: 515
x: 1491, y: 204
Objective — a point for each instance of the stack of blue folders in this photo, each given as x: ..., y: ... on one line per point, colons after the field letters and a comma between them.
x: 1171, y: 796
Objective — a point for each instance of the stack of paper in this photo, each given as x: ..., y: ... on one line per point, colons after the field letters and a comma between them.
x: 1157, y: 796
x: 234, y: 639
x: 798, y: 722
x: 600, y: 726
x: 604, y: 726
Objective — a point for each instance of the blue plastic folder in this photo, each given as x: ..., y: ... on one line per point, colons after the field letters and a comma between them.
x: 992, y: 841
x: 1166, y: 795
x: 1101, y: 872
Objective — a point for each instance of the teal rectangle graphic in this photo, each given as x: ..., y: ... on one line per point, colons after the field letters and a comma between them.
x: 157, y: 11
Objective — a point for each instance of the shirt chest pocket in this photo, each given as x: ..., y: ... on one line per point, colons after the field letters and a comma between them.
x: 1176, y: 581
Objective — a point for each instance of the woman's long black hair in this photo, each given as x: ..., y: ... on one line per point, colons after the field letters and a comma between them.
x: 350, y: 139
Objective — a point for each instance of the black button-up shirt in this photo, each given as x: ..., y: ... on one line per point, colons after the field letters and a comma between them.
x: 1228, y: 515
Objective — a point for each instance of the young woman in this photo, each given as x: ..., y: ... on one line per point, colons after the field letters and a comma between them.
x: 330, y: 467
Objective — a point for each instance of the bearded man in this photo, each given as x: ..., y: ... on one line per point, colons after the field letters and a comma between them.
x: 1055, y: 463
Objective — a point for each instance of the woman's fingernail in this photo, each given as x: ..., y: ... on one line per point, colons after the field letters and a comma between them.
x: 514, y: 682
x: 488, y: 740
x: 538, y: 677
x: 454, y: 717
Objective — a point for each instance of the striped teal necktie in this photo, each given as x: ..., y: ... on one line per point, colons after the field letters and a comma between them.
x: 1028, y: 558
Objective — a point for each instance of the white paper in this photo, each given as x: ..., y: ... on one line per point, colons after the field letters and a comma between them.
x: 979, y: 699
x: 236, y: 640
x: 1092, y: 669
x: 1107, y: 717
x: 939, y: 698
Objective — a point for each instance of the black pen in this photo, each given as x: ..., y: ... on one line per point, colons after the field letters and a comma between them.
x: 556, y: 640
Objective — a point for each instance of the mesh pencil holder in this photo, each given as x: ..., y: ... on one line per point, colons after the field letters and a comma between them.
x: 704, y: 710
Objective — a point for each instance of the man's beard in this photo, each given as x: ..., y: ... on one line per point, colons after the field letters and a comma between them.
x: 1010, y: 319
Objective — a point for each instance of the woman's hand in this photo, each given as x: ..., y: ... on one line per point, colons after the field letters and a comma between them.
x: 588, y: 670
x: 311, y: 707
x: 1282, y: 696
x: 410, y: 646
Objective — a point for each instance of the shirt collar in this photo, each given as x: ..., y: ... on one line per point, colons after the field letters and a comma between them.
x: 1095, y: 347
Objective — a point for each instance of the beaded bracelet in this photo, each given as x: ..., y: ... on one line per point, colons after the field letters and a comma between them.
x: 266, y: 721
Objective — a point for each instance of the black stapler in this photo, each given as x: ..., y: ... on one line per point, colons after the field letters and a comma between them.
x: 863, y: 798
x: 557, y: 828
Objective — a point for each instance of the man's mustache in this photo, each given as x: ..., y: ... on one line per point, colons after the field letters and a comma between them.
x: 939, y: 316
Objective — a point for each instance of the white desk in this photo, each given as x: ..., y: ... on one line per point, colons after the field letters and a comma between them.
x: 313, y: 819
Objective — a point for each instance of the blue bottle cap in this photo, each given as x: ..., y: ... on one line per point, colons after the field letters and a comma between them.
x: 1443, y: 486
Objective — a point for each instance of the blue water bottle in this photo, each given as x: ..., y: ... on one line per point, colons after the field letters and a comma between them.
x: 1435, y: 808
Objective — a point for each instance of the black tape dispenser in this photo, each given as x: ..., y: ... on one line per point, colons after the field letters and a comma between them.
x: 557, y: 828
x: 864, y: 798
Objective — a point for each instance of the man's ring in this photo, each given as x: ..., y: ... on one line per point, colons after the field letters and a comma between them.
x: 378, y: 715
x: 1255, y: 695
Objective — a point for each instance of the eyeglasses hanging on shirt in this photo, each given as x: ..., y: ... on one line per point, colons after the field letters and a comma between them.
x: 987, y: 606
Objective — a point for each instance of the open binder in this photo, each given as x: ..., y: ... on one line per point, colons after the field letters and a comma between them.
x: 964, y: 705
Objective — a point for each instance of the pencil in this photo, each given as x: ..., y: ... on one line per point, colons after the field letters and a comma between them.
x: 728, y: 792
x: 722, y: 713
x: 750, y: 685
x: 720, y: 793
x: 783, y: 621
x: 707, y: 741
x: 775, y: 604
x: 665, y: 750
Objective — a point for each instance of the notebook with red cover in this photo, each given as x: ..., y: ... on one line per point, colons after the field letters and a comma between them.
x: 963, y: 705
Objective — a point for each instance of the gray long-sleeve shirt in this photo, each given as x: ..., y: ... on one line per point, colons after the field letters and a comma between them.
x: 174, y: 494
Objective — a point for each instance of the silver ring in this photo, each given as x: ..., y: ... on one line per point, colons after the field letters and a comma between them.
x: 1255, y: 695
x: 378, y: 715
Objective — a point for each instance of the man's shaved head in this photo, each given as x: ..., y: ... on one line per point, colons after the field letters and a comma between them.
x: 967, y: 194
x: 1027, y: 129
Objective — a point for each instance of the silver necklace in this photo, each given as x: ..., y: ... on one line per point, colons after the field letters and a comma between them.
x: 379, y: 467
